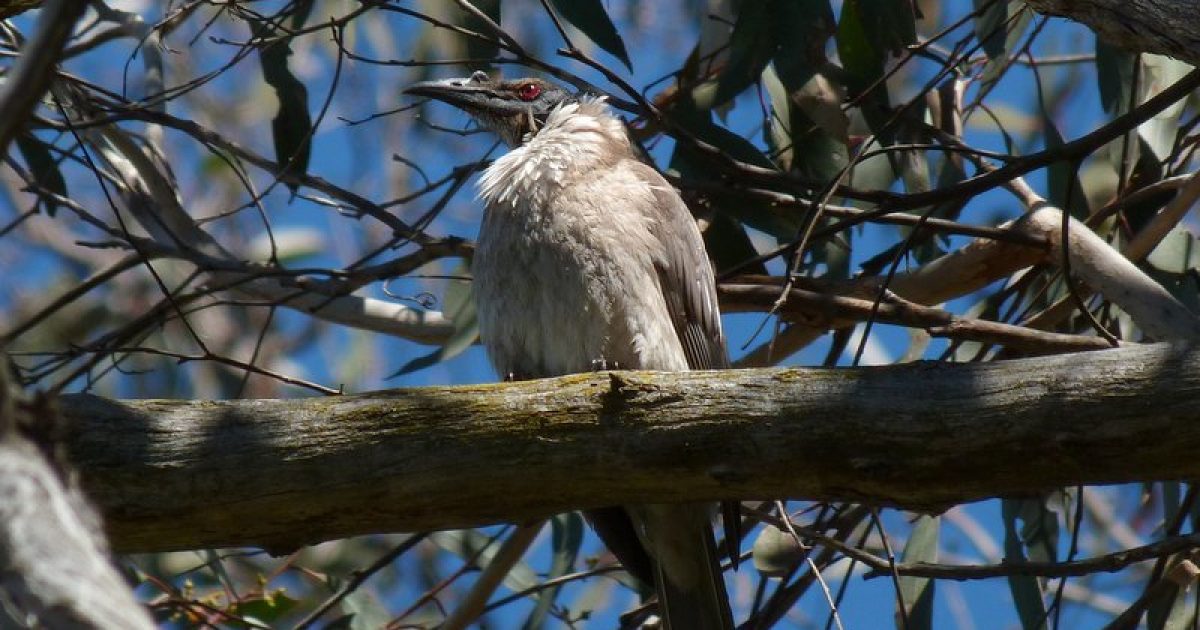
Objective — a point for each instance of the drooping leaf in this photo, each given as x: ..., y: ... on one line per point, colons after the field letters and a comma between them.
x: 478, y: 49
x: 1064, y: 188
x: 991, y: 26
x: 891, y: 24
x: 751, y: 46
x: 301, y: 9
x: 1026, y: 591
x: 565, y: 541
x: 363, y: 611
x: 922, y: 546
x: 291, y: 129
x: 590, y: 18
x: 1011, y: 20
x: 472, y: 543
x: 1114, y: 73
x: 689, y: 164
x: 1178, y: 252
x: 1159, y: 73
x: 863, y: 43
x: 728, y: 245
x: 798, y: 143
x: 43, y: 168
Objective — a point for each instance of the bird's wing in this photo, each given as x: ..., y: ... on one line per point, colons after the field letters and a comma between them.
x: 685, y: 275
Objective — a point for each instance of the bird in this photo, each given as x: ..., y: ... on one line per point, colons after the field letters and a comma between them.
x: 588, y: 259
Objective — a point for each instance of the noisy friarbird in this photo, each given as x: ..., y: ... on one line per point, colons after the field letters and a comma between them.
x: 588, y: 259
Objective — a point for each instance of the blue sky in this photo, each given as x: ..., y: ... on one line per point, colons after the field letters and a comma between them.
x: 658, y: 37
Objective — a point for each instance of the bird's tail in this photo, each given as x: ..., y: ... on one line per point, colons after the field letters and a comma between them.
x: 687, y: 567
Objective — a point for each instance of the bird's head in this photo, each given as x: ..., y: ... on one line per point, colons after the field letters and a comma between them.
x: 514, y: 109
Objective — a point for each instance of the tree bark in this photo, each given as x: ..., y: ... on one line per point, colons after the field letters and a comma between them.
x: 284, y: 473
x: 54, y: 566
x: 1166, y: 27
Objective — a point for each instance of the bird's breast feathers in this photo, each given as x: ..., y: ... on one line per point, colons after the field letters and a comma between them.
x: 565, y: 269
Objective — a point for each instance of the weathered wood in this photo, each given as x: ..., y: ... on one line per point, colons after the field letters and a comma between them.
x: 1166, y: 27
x: 55, y: 570
x: 283, y: 473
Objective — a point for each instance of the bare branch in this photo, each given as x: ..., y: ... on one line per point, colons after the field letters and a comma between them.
x: 283, y: 473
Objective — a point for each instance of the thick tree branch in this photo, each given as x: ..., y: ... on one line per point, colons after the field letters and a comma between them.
x: 1167, y: 27
x: 279, y: 474
x: 28, y: 79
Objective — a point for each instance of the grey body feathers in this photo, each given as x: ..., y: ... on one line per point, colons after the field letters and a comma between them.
x: 587, y: 255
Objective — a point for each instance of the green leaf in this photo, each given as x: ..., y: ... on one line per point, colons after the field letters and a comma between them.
x: 291, y: 128
x: 458, y: 304
x: 363, y: 611
x: 688, y: 164
x: 1159, y: 73
x: 1172, y: 613
x: 301, y: 9
x: 479, y: 48
x: 922, y: 546
x: 266, y: 608
x: 565, y: 541
x: 1026, y: 590
x: 751, y: 46
x: 1178, y: 252
x: 1007, y: 23
x: 775, y: 551
x: 43, y: 168
x: 590, y: 17
x: 1114, y: 71
x: 728, y: 245
x: 1065, y: 190
x: 800, y: 144
x: 891, y: 24
x: 467, y: 543
x: 991, y: 26
x: 865, y: 36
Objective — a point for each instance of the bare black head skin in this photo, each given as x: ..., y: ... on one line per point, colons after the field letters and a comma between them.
x: 513, y: 109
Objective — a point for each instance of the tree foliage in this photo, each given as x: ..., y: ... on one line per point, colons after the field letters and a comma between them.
x: 232, y: 200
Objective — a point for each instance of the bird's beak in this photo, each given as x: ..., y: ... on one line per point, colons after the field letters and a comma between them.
x: 476, y: 95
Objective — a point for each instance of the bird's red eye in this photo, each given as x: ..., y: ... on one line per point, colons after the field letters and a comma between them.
x: 529, y: 91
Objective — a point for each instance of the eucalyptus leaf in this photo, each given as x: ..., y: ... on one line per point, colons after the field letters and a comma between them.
x: 43, y: 168
x: 1159, y: 73
x: 1178, y: 252
x: 565, y: 542
x: 291, y: 129
x: 811, y: 150
x: 990, y: 31
x: 688, y: 164
x: 1114, y: 73
x: 728, y: 244
x: 775, y: 551
x: 592, y: 20
x: 364, y: 611
x: 1026, y: 590
x: 868, y: 30
x: 751, y: 46
x: 1012, y: 19
x: 467, y: 543
x: 917, y: 593
x: 481, y: 49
